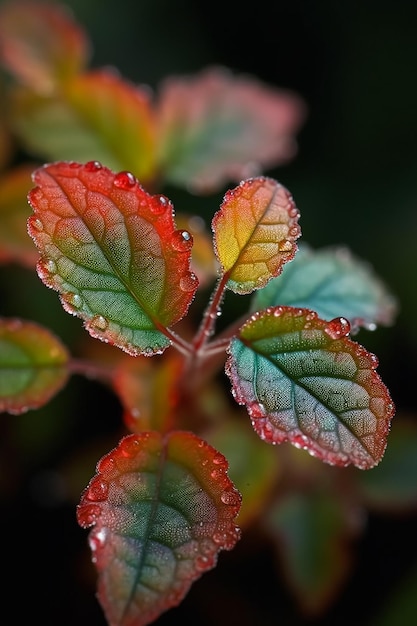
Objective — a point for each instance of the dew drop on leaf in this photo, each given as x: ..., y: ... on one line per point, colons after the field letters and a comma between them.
x: 159, y: 205
x: 187, y: 283
x: 98, y: 322
x: 124, y: 180
x: 37, y: 224
x: 97, y: 489
x: 337, y: 328
x: 182, y: 240
x: 72, y: 301
x: 93, y: 166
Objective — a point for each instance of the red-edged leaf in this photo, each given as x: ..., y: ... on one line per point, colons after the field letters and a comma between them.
x: 33, y: 365
x: 40, y: 43
x: 96, y: 116
x: 304, y: 381
x: 15, y: 244
x: 162, y: 508
x: 216, y: 127
x: 255, y: 233
x: 113, y: 253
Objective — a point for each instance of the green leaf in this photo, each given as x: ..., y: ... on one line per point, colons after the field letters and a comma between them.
x: 312, y: 539
x: 41, y: 44
x: 33, y: 365
x: 113, y: 253
x: 162, y: 508
x: 255, y: 231
x: 216, y: 127
x: 96, y: 116
x: 304, y: 381
x: 332, y: 282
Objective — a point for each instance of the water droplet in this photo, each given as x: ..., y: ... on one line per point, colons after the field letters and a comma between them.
x: 129, y: 446
x: 97, y: 489
x: 72, y: 300
x: 285, y: 245
x: 337, y: 328
x: 37, y: 224
x: 374, y: 360
x: 182, y: 240
x: 93, y: 166
x: 230, y: 498
x: 294, y: 231
x: 159, y: 205
x: 219, y: 538
x: 97, y: 540
x: 124, y: 180
x: 73, y: 165
x: 218, y: 459
x: 98, y: 322
x: 189, y: 282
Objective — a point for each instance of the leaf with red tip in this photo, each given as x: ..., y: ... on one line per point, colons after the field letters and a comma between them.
x: 41, y: 44
x: 304, y: 381
x: 96, y: 116
x: 113, y: 253
x: 33, y: 365
x: 255, y: 233
x: 216, y: 127
x: 162, y: 507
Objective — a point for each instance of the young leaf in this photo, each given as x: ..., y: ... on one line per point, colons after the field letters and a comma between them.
x: 96, y: 116
x: 33, y: 365
x: 113, y: 253
x: 216, y: 128
x: 162, y: 508
x: 41, y: 44
x: 255, y: 233
x: 15, y: 245
x: 304, y: 381
x: 333, y: 283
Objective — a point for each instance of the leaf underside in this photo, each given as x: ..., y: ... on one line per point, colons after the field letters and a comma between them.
x: 113, y: 253
x: 162, y: 508
x: 303, y: 380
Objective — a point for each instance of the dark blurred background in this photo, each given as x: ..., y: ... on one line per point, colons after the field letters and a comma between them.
x: 355, y: 182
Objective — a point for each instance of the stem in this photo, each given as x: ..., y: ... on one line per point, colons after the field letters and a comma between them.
x: 210, y: 316
x: 90, y: 369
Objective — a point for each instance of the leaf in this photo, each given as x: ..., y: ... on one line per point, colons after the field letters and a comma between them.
x: 96, y: 116
x: 332, y: 282
x: 255, y: 231
x: 15, y: 244
x: 41, y: 44
x: 33, y: 365
x: 216, y: 127
x: 304, y: 381
x: 162, y: 508
x: 313, y: 536
x: 113, y: 253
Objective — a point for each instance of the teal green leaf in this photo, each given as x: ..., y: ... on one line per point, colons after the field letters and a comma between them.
x: 304, y: 380
x: 161, y: 507
x: 332, y: 282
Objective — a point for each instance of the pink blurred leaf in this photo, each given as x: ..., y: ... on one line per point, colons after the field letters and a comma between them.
x: 41, y: 44
x: 162, y: 507
x: 217, y: 127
